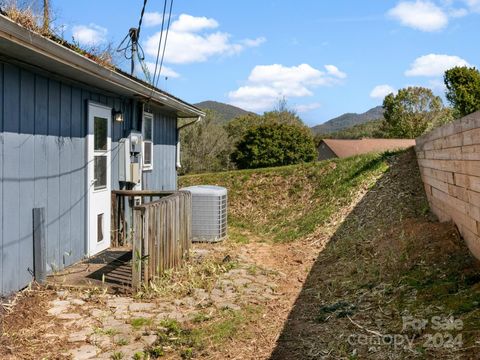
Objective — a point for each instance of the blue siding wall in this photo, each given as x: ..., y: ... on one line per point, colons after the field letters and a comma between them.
x: 163, y: 176
x: 43, y: 164
x: 1, y: 177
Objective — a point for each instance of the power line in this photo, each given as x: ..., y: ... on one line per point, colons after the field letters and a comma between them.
x: 159, y: 42
x: 141, y: 17
x: 165, y: 42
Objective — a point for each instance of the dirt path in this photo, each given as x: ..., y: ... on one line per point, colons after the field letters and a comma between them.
x: 249, y: 294
x: 335, y: 294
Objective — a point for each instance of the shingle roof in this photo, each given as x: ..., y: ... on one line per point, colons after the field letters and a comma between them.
x: 346, y: 148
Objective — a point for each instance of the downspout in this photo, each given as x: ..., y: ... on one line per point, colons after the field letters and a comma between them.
x: 178, y: 162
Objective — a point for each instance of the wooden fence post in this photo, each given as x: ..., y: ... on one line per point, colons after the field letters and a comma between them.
x: 39, y: 246
x: 137, y: 249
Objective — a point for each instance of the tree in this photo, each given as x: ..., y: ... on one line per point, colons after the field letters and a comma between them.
x: 238, y: 127
x: 413, y: 112
x: 463, y: 90
x: 274, y: 145
x: 282, y: 114
x: 205, y: 146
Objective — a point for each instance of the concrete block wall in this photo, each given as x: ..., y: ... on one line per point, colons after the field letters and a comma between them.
x: 449, y: 161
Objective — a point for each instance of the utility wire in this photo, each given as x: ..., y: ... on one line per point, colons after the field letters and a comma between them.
x: 159, y: 42
x: 126, y: 45
x: 141, y: 17
x: 165, y: 42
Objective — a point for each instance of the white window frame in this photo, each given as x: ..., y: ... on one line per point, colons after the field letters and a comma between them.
x: 147, y: 115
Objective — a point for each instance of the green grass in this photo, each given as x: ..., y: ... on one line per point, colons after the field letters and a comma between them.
x: 105, y: 331
x: 188, y: 341
x: 291, y: 202
x: 137, y: 323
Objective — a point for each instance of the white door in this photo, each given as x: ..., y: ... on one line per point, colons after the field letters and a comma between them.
x: 99, y: 182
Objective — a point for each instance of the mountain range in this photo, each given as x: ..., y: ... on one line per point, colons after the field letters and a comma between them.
x: 228, y: 112
x: 348, y: 120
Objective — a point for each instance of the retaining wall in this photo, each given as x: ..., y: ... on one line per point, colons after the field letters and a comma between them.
x: 449, y: 160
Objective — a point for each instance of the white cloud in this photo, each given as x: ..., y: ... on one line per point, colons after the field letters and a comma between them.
x: 89, y: 35
x: 152, y: 19
x: 380, y: 91
x: 254, y: 42
x: 303, y: 108
x: 458, y: 13
x: 333, y: 70
x: 473, y: 5
x: 189, y: 41
x: 267, y: 83
x: 188, y: 23
x: 421, y: 15
x: 434, y: 65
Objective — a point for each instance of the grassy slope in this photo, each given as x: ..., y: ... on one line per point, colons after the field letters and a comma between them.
x: 288, y: 203
x: 387, y: 259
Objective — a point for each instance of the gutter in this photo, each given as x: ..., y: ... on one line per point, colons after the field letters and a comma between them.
x: 19, y: 42
x: 178, y: 163
x: 191, y: 123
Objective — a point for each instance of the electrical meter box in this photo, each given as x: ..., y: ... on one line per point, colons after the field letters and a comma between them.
x: 130, y: 158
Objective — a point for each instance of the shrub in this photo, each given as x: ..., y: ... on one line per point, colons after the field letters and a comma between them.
x: 274, y: 145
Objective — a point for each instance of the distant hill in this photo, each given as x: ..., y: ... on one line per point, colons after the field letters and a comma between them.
x: 348, y: 120
x: 369, y: 129
x: 225, y: 111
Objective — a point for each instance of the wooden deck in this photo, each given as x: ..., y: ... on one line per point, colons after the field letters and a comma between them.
x: 111, y: 269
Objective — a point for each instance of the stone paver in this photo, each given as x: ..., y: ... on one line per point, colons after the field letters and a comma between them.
x: 84, y: 352
x: 58, y: 306
x: 141, y: 307
x: 69, y: 316
x: 100, y: 326
x: 79, y: 336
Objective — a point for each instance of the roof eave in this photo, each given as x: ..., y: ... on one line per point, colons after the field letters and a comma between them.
x: 16, y: 41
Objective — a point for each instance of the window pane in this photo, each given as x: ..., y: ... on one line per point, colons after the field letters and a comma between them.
x: 100, y: 171
x: 100, y: 133
x: 99, y: 227
x: 147, y: 128
x: 147, y: 157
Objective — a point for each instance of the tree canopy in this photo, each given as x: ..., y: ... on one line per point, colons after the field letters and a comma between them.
x: 412, y: 112
x: 205, y: 146
x: 463, y: 90
x: 274, y: 144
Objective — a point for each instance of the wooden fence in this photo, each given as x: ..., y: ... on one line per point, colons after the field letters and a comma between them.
x: 119, y: 233
x: 162, y: 236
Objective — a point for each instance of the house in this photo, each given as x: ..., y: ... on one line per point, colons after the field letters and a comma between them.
x: 336, y: 148
x: 71, y: 131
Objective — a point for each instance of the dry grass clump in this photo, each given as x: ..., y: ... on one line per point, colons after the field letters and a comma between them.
x: 25, y: 16
x: 197, y: 273
x: 29, y: 19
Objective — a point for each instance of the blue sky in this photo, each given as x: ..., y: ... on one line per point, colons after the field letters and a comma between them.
x: 325, y: 57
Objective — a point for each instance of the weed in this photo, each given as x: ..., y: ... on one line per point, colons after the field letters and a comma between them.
x: 122, y: 342
x: 156, y: 351
x: 200, y: 317
x: 181, y: 282
x: 137, y: 323
x: 105, y: 331
x: 117, y: 355
x: 139, y: 355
